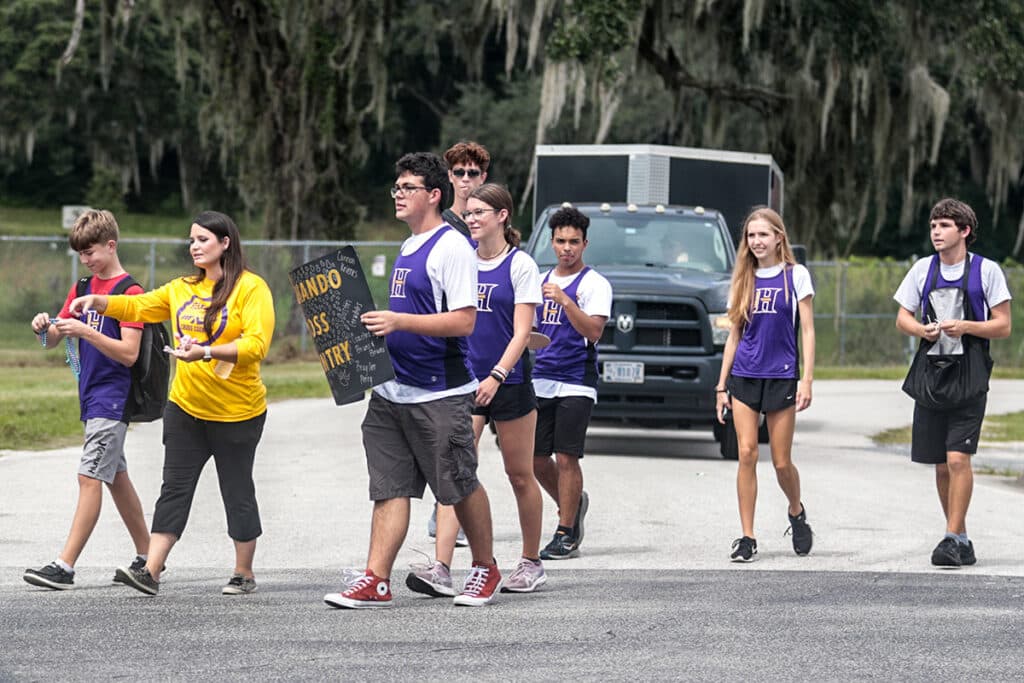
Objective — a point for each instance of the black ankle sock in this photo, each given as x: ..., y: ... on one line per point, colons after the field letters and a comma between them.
x: 567, y: 530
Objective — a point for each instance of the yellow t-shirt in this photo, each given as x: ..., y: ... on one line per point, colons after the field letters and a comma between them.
x: 247, y: 320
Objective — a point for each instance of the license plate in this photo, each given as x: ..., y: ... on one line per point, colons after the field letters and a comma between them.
x: 623, y: 373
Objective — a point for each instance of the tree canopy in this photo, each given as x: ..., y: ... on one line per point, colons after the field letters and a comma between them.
x: 293, y: 111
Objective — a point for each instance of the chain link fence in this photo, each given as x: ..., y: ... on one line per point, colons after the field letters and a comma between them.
x: 853, y: 306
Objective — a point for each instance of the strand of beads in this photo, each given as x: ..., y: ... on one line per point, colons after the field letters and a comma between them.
x: 70, y: 352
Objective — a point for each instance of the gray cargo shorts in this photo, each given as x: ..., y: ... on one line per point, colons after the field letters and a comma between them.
x: 103, y: 452
x: 412, y: 445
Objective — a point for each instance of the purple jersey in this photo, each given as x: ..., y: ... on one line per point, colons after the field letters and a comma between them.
x: 975, y: 289
x: 433, y: 363
x: 495, y: 311
x: 104, y: 383
x: 767, y: 349
x: 570, y: 357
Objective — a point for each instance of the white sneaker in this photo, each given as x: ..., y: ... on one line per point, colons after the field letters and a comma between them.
x: 527, y: 577
x: 431, y: 579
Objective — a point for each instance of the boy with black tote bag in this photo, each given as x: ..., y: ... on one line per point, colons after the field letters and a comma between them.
x: 932, y: 300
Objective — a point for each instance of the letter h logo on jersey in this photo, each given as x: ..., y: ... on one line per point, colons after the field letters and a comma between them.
x: 398, y: 278
x: 552, y: 314
x: 483, y: 296
x: 93, y: 319
x: 764, y: 300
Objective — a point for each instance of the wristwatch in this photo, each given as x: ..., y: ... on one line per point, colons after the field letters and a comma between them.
x: 207, y: 357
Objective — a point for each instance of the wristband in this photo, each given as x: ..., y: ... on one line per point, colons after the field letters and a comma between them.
x: 207, y: 354
x: 721, y: 391
x: 498, y: 376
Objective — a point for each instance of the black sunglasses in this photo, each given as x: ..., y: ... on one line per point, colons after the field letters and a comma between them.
x: 471, y: 172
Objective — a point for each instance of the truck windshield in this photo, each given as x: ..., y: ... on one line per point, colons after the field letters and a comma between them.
x: 652, y: 241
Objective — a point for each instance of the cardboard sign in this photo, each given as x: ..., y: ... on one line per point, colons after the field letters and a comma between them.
x: 333, y: 293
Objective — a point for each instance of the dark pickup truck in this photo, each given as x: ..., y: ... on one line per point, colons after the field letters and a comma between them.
x: 661, y: 351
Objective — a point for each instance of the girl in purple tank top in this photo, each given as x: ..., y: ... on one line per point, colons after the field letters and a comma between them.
x: 507, y: 297
x: 770, y: 300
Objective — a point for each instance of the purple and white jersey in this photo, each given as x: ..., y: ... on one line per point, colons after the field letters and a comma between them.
x: 435, y: 364
x: 513, y: 280
x: 986, y: 288
x: 767, y: 349
x: 568, y: 365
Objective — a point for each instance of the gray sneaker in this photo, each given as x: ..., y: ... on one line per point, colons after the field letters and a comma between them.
x: 432, y: 579
x: 527, y: 577
x: 139, y: 579
x: 239, y: 585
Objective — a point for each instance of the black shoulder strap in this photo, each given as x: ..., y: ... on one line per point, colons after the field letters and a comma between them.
x: 123, y: 284
x: 968, y: 311
x: 82, y: 286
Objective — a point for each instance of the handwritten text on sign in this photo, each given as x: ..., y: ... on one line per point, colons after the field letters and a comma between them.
x: 333, y: 293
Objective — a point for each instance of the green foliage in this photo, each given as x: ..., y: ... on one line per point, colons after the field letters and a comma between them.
x: 105, y: 190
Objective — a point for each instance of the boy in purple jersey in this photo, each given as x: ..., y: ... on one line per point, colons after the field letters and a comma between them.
x: 577, y: 303
x: 948, y: 439
x: 770, y: 299
x: 418, y: 428
x: 107, y: 349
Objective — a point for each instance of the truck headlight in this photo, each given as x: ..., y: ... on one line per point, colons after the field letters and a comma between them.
x: 720, y: 326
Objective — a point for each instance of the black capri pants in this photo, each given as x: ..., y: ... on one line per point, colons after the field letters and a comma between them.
x: 188, y: 444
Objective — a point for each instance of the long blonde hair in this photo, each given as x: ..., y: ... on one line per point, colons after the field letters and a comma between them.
x: 741, y: 296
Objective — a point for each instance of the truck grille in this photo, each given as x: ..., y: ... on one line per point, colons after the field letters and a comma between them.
x: 656, y: 327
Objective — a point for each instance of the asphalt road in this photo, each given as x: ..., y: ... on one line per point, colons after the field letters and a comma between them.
x: 652, y: 597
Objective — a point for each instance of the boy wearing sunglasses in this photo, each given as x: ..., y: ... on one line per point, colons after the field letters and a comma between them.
x: 467, y: 170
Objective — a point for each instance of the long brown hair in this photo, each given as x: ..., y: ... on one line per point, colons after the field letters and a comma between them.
x: 232, y: 262
x: 741, y: 296
x: 498, y: 198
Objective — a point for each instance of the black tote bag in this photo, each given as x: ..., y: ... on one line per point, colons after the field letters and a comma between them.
x: 948, y: 382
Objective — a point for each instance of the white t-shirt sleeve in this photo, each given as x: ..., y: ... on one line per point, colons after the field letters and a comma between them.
x: 908, y: 294
x: 802, y: 282
x: 594, y: 295
x: 525, y: 279
x: 452, y: 268
x: 993, y: 282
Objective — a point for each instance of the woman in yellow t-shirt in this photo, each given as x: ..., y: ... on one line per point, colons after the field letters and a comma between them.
x: 222, y: 318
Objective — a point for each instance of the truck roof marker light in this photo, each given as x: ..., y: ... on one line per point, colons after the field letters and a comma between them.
x: 659, y: 208
x: 699, y: 210
x: 606, y: 207
x: 631, y: 207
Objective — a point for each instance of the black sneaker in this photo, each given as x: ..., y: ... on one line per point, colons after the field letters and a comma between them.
x: 947, y: 554
x: 50, y: 576
x: 744, y: 549
x: 561, y: 547
x: 239, y: 585
x: 581, y: 512
x: 803, y: 538
x: 967, y: 557
x: 139, y: 579
x: 137, y: 564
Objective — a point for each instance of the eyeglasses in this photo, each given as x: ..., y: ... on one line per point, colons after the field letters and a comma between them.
x: 405, y: 189
x: 475, y: 213
x: 471, y: 172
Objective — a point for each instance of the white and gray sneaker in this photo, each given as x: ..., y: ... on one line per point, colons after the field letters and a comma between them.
x: 432, y: 578
x: 527, y: 577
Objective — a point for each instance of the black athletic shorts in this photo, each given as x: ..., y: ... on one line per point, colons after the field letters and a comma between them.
x: 935, y: 433
x: 510, y: 402
x: 762, y: 395
x: 562, y: 425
